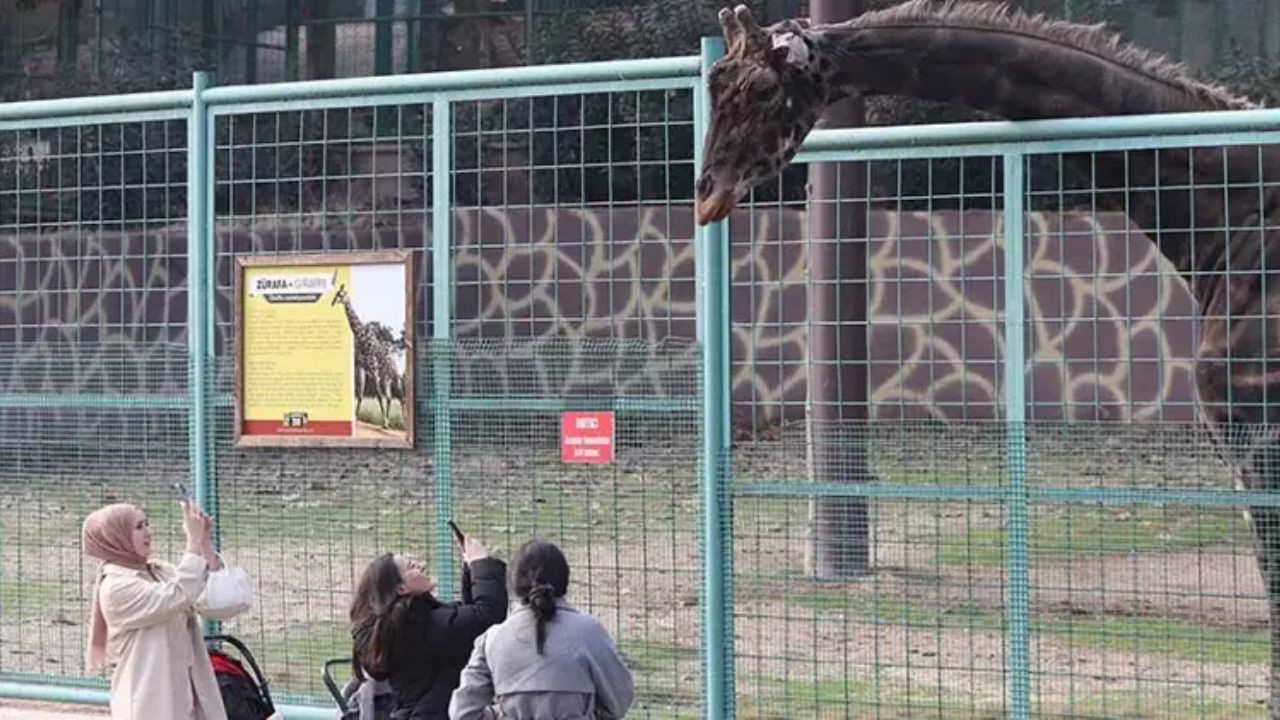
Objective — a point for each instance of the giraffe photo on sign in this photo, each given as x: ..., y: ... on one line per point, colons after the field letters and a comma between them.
x: 324, y: 349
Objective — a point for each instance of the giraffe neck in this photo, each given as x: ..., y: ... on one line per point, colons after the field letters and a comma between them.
x: 1008, y: 64
x: 1019, y: 67
x: 352, y: 320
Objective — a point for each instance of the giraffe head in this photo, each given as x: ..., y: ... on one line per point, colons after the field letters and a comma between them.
x: 767, y: 93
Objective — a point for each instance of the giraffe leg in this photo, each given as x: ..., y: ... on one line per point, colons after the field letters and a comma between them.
x: 360, y: 381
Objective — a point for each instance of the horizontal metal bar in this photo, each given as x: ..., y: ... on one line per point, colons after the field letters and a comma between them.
x: 1040, y: 147
x: 95, y: 119
x: 99, y: 105
x: 1156, y: 496
x: 51, y: 692
x: 544, y: 404
x: 93, y: 401
x: 565, y: 75
x: 427, y: 96
x: 983, y: 138
x: 987, y: 493
x: 997, y: 493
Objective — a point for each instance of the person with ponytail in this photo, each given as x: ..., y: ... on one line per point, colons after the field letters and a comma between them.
x: 402, y: 634
x: 547, y: 659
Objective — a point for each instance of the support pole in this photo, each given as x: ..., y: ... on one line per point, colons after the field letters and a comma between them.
x: 197, y: 292
x: 711, y: 259
x: 1016, y: 601
x: 441, y: 334
x: 840, y: 545
x: 199, y: 319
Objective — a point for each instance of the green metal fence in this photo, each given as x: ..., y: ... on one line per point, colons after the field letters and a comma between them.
x: 117, y: 380
x: 1050, y: 532
x: 991, y: 549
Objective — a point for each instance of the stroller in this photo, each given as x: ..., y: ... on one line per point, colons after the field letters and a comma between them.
x: 358, y: 700
x: 246, y: 697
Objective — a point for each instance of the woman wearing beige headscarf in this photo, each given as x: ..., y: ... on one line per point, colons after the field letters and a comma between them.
x: 143, y: 620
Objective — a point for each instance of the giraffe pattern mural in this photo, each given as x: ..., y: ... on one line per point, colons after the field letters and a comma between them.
x: 1112, y: 333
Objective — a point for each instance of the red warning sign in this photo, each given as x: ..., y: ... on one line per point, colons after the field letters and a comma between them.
x: 586, y: 438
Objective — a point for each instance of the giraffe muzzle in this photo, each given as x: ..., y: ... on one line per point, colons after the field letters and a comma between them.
x: 714, y: 207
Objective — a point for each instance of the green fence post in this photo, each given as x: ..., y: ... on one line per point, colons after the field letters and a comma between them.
x: 1016, y: 602
x: 711, y: 258
x: 441, y: 333
x: 197, y: 288
x: 199, y: 301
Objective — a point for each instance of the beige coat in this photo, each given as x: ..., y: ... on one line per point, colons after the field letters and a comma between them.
x: 154, y: 640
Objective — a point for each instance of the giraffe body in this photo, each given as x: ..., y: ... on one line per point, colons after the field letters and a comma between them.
x: 1207, y: 208
x: 373, y: 362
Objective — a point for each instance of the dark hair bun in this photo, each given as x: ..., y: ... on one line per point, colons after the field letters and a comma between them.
x: 542, y: 599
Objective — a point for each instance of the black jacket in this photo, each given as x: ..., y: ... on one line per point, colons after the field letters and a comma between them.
x: 435, y: 639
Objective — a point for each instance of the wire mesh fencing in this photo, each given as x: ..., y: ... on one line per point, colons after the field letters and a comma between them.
x: 931, y: 508
x: 918, y: 549
x: 93, y: 370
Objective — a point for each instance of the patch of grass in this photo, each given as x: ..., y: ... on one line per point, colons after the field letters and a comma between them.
x: 773, y: 698
x: 893, y: 609
x: 1151, y: 704
x: 653, y: 656
x: 1157, y: 637
x: 372, y: 414
x: 1058, y: 533
x: 1145, y: 636
x: 667, y: 676
x: 292, y: 656
x: 30, y: 598
x: 938, y: 470
x: 600, y: 509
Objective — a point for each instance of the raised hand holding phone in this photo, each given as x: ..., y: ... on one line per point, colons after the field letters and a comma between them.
x: 194, y: 527
x: 470, y: 548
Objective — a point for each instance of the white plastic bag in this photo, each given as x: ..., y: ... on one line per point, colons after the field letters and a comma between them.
x: 227, y: 593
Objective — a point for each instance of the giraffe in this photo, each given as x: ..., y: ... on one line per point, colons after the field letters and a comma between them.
x: 1206, y: 209
x: 372, y: 358
x: 390, y: 375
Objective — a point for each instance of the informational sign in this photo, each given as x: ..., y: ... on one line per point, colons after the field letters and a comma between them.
x: 324, y: 349
x: 586, y: 438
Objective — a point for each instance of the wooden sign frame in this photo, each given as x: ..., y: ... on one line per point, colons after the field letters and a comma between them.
x: 362, y: 434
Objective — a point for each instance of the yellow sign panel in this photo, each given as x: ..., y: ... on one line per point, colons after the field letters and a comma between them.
x: 323, y: 354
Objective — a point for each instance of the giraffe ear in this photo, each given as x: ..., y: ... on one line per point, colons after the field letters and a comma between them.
x: 789, y: 50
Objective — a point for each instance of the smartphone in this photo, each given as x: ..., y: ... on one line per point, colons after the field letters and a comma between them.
x: 182, y: 492
x: 462, y: 539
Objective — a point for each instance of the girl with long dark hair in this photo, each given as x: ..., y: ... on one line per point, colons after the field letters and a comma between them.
x: 401, y: 633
